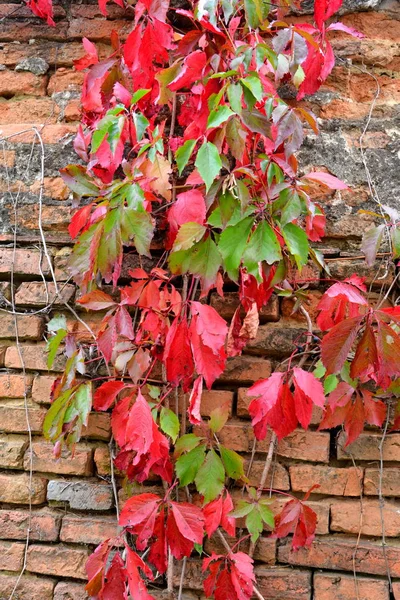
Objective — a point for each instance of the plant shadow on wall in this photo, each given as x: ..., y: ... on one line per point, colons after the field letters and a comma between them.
x: 189, y: 153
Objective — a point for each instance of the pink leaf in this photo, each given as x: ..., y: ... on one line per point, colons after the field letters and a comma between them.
x: 327, y: 179
x: 195, y: 402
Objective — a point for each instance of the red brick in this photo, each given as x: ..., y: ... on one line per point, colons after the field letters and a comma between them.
x: 227, y: 306
x: 245, y: 370
x: 99, y: 426
x: 15, y: 489
x: 390, y: 482
x: 98, y: 29
x: 54, y: 218
x: 278, y: 477
x: 41, y: 388
x: 374, y: 25
x: 14, y: 83
x: 25, y: 262
x: 23, y: 31
x: 12, y: 450
x: 277, y: 339
x: 102, y: 461
x: 81, y: 463
x: 13, y: 385
x: 51, y: 134
x: 346, y: 517
x: 81, y: 333
x: 94, y: 12
x: 333, y: 481
x: 65, y: 80
x: 302, y: 445
x: 60, y: 560
x: 8, y: 158
x: 335, y: 552
x: 53, y: 187
x: 210, y: 400
x: 73, y: 110
x: 337, y: 586
x: 11, y: 556
x: 44, y: 525
x: 366, y: 447
x: 279, y: 583
x: 396, y: 590
x: 26, y: 110
x: 88, y: 530
x: 61, y: 55
x: 34, y: 357
x: 30, y: 327
x: 29, y: 587
x: 66, y: 590
x: 33, y: 293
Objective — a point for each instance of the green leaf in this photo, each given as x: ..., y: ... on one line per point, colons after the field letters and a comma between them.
x: 210, y: 477
x: 138, y: 95
x: 78, y: 181
x: 57, y: 322
x: 109, y: 127
x: 218, y: 418
x: 330, y: 383
x: 141, y: 124
x: 186, y: 443
x: 183, y: 154
x: 219, y: 116
x: 137, y: 224
x: 319, y: 370
x: 202, y: 260
x: 256, y: 122
x: 297, y: 243
x: 208, y: 162
x: 72, y: 407
x: 254, y: 523
x: 263, y: 245
x: 164, y: 78
x: 266, y: 514
x: 187, y: 466
x: 395, y: 236
x: 256, y: 12
x: 252, y: 82
x: 169, y: 423
x: 188, y: 235
x: 232, y: 244
x: 54, y: 419
x: 242, y: 509
x: 198, y: 548
x: 233, y: 463
x: 52, y: 346
x: 292, y: 209
x: 235, y: 95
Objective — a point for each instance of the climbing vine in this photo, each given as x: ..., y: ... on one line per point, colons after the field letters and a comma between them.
x: 188, y: 157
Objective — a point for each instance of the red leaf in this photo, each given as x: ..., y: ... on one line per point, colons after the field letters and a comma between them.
x: 337, y: 344
x: 178, y: 355
x: 192, y: 70
x: 137, y: 586
x: 365, y: 363
x: 105, y: 395
x: 115, y: 581
x: 375, y: 410
x: 159, y: 549
x: 137, y: 510
x: 267, y: 392
x: 346, y: 29
x: 95, y: 566
x: 185, y: 527
x: 208, y: 364
x: 216, y: 514
x: 354, y: 421
x: 43, y: 9
x: 308, y: 391
x: 388, y: 344
x: 329, y: 180
x: 231, y: 577
x: 90, y: 58
x: 323, y: 9
x: 209, y: 325
x: 195, y: 402
x: 97, y: 300
x: 79, y: 220
x: 299, y: 519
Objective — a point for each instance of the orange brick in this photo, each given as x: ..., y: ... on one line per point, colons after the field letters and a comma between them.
x: 337, y: 553
x: 53, y: 187
x: 44, y: 525
x: 29, y: 327
x: 88, y: 530
x: 61, y: 55
x: 41, y: 388
x: 54, y: 218
x: 210, y: 400
x: 102, y: 461
x: 24, y: 262
x: 98, y: 29
x: 335, y: 586
x: 12, y: 450
x: 59, y: 560
x: 8, y: 158
x: 26, y: 110
x: 73, y: 111
x: 13, y: 386
x: 13, y: 419
x: 66, y: 590
x: 277, y: 339
x: 302, y: 445
x: 81, y: 463
x: 33, y: 293
x: 287, y: 306
x: 29, y: 586
x: 11, y: 556
x: 227, y: 306
x: 34, y: 357
x: 99, y: 426
x: 24, y: 31
x: 15, y: 489
x: 245, y: 370
x: 333, y: 481
x: 65, y: 80
x: 366, y: 447
x: 279, y: 583
x: 390, y: 482
x: 14, y: 83
x: 278, y: 477
x: 51, y: 134
x: 345, y: 517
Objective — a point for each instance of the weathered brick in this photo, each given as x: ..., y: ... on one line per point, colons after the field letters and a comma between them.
x: 277, y: 339
x: 15, y: 489
x: 98, y: 29
x: 29, y: 327
x: 11, y: 556
x: 13, y: 385
x: 29, y: 586
x: 24, y: 31
x: 227, y: 306
x: 34, y: 293
x: 341, y: 269
x: 34, y: 357
x: 366, y: 447
x: 302, y: 445
x: 27, y: 261
x: 61, y: 55
x: 88, y: 530
x: 279, y: 583
x: 337, y: 586
x: 65, y: 80
x: 44, y: 525
x: 333, y: 481
x: 51, y: 134
x: 53, y: 187
x: 13, y: 83
x: 73, y: 110
x: 80, y: 495
x: 54, y: 218
x: 245, y: 370
x: 58, y: 560
x: 26, y: 110
x: 346, y: 517
x: 210, y: 400
x: 12, y: 450
x: 81, y: 463
x: 41, y: 388
x: 278, y: 476
x: 13, y: 419
x: 102, y: 461
x: 66, y: 590
x: 288, y: 304
x: 98, y: 427
x: 390, y: 482
x: 337, y: 553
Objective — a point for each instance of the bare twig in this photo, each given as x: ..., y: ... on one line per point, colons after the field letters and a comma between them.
x: 381, y: 498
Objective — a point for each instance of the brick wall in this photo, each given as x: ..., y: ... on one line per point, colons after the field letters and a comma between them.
x: 72, y: 501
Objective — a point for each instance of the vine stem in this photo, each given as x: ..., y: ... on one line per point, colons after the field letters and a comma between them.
x: 381, y: 498
x: 274, y: 439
